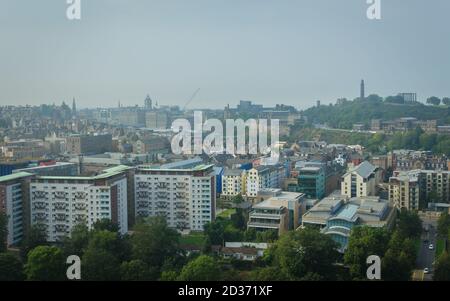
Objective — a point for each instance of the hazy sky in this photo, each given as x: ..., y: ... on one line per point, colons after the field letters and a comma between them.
x: 269, y: 51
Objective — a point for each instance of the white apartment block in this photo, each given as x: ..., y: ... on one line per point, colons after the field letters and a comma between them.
x: 233, y: 182
x: 12, y: 203
x: 186, y: 198
x: 361, y: 181
x: 269, y: 176
x: 60, y: 203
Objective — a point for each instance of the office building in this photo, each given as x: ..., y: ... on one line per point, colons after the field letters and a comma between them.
x: 281, y: 212
x: 310, y: 181
x: 338, y: 215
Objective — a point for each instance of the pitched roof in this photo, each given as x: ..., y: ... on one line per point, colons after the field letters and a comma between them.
x: 365, y: 169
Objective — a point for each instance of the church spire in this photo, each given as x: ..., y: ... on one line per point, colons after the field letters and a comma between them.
x: 74, y: 107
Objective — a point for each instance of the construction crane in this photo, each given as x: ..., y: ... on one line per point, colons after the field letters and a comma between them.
x: 191, y: 99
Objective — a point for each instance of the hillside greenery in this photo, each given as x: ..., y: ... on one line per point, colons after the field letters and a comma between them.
x: 378, y: 143
x: 347, y: 113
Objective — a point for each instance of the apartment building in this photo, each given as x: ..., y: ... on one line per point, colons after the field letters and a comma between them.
x: 415, y: 189
x: 59, y: 203
x: 361, y: 181
x: 268, y: 176
x: 233, y: 182
x: 405, y: 160
x: 404, y: 190
x: 281, y: 212
x: 13, y: 203
x: 186, y: 197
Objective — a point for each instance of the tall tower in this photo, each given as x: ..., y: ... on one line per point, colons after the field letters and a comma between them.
x: 362, y: 95
x: 74, y: 107
x: 148, y: 102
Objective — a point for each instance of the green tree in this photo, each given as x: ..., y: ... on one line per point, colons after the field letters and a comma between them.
x: 442, y: 270
x: 238, y: 199
x: 395, y: 99
x: 443, y: 225
x: 203, y: 268
x: 35, y: 236
x: 46, y: 263
x: 77, y: 242
x: 3, y: 231
x: 267, y: 235
x: 239, y: 220
x: 306, y: 252
x: 433, y: 100
x: 105, y: 224
x: 137, y: 270
x: 364, y: 241
x: 154, y: 242
x: 103, y: 255
x: 409, y: 224
x: 395, y: 267
x: 215, y: 231
x: 11, y: 268
x: 446, y: 101
x: 270, y: 273
x: 99, y: 265
x: 399, y: 260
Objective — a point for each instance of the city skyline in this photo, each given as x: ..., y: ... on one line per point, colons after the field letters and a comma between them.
x: 267, y: 52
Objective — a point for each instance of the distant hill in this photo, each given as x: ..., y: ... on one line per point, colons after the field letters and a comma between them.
x: 344, y: 115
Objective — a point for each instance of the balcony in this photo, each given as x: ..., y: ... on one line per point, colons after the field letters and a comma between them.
x: 142, y: 204
x: 60, y: 195
x: 142, y: 185
x: 80, y: 195
x: 256, y: 224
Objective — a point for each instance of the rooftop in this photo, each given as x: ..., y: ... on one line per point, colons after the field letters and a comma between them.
x: 107, y: 173
x: 365, y: 169
x: 233, y: 172
x: 15, y: 176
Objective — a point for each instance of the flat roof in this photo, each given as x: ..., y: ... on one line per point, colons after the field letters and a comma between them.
x: 113, y: 171
x: 57, y: 164
x: 15, y: 176
x: 196, y: 168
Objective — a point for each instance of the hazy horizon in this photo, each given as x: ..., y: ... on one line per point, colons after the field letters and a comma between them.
x: 292, y: 51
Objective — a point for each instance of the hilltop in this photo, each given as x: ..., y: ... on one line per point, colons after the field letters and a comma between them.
x: 346, y: 113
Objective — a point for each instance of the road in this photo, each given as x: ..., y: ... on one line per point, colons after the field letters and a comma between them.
x: 426, y: 256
